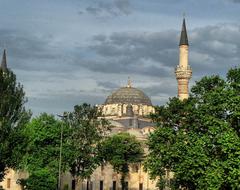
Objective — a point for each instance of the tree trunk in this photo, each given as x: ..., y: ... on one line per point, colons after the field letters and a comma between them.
x: 123, y: 181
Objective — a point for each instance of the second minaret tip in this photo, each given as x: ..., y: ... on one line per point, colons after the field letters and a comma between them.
x: 4, y: 61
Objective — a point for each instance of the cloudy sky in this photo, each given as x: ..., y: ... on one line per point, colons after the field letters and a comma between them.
x: 66, y: 52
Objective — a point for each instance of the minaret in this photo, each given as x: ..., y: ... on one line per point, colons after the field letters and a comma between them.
x: 4, y: 61
x: 183, y: 71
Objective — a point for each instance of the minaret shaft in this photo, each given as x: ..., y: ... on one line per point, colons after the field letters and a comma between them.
x: 183, y: 56
x: 183, y: 71
x: 183, y: 88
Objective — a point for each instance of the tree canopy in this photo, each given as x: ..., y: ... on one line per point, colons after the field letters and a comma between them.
x: 83, y: 129
x: 13, y: 117
x: 42, y: 143
x: 120, y: 150
x: 198, y: 139
x: 88, y: 128
x: 40, y: 151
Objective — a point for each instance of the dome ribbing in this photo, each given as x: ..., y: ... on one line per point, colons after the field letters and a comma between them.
x: 128, y: 95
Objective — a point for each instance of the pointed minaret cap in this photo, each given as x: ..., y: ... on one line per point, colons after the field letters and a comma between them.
x: 4, y: 61
x: 183, y: 38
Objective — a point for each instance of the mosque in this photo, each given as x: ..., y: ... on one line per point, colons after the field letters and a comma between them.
x: 127, y: 109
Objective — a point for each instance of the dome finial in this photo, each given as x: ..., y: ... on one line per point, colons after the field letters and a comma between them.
x: 129, y: 85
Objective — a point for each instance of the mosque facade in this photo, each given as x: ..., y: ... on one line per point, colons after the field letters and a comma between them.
x: 127, y: 109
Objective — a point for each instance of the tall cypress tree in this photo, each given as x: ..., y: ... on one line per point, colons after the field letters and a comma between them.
x: 13, y: 116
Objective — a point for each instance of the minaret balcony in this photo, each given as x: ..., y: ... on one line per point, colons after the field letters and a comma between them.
x: 183, y: 72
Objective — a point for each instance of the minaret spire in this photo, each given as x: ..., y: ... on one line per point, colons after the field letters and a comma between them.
x: 183, y: 38
x: 183, y: 70
x: 4, y: 61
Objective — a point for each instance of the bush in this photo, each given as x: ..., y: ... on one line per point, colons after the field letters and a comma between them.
x: 41, y: 179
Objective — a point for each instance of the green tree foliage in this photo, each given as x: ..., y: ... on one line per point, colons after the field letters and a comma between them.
x: 87, y: 130
x: 41, y: 179
x: 13, y: 117
x: 41, y: 151
x: 120, y: 150
x: 82, y: 131
x: 198, y: 139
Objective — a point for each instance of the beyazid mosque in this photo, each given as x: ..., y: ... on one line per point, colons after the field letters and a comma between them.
x: 127, y: 109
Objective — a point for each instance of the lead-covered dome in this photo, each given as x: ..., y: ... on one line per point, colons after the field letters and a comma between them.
x: 128, y: 95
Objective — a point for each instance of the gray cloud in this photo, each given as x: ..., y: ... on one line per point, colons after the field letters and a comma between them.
x: 109, y: 8
x: 215, y: 48
x: 125, y: 66
x: 27, y: 51
x: 168, y: 87
x: 26, y: 46
x: 93, y: 10
x: 154, y: 55
x: 31, y: 52
x: 53, y: 51
x: 234, y: 1
x: 107, y: 85
x: 212, y: 48
x: 123, y: 5
x: 58, y: 103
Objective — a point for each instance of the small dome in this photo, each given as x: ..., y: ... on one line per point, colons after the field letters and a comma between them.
x: 128, y: 95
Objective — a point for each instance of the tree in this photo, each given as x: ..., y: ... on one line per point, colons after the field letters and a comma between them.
x: 40, y: 156
x: 120, y: 150
x: 88, y: 128
x: 198, y: 139
x: 13, y: 117
x: 82, y: 130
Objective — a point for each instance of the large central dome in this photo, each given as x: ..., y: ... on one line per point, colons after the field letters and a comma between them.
x: 128, y: 95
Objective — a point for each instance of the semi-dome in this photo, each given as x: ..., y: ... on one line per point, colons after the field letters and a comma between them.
x: 128, y: 95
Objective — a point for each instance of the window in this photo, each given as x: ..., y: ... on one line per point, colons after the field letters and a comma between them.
x: 64, y: 187
x: 126, y: 185
x: 101, y: 185
x: 140, y: 186
x: 91, y: 185
x: 102, y: 168
x: 73, y: 184
x: 87, y: 185
x: 114, y: 186
x: 135, y: 168
x: 8, y: 183
x: 113, y: 110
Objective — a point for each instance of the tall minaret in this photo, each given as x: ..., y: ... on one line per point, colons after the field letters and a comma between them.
x: 4, y: 61
x: 183, y: 71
